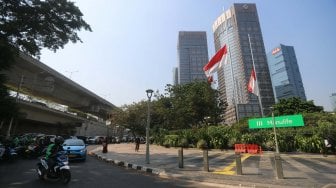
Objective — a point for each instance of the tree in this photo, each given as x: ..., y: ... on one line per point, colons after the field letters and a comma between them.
x: 29, y: 26
x: 182, y: 106
x: 132, y: 117
x: 188, y: 105
x: 294, y: 106
x: 7, y: 105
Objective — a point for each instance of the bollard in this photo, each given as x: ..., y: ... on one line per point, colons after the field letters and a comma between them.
x: 278, y: 166
x: 205, y: 160
x: 239, y: 170
x: 180, y: 156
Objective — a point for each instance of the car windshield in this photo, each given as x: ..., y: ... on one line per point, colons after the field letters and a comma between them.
x: 73, y: 142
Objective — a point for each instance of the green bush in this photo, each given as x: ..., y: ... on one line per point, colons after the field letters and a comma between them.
x: 189, y: 135
x: 202, y: 134
x: 183, y: 142
x: 171, y: 141
x: 309, y: 138
x: 202, y: 144
x: 158, y: 136
x: 218, y: 136
x: 310, y: 144
x: 166, y: 143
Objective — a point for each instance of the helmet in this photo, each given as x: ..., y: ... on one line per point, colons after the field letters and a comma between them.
x: 59, y: 140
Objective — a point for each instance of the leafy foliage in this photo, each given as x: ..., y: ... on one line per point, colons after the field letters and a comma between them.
x: 188, y: 105
x: 309, y: 138
x: 29, y: 26
x: 132, y: 116
x: 7, y: 105
x: 171, y: 140
x: 202, y: 144
x: 8, y: 108
x: 294, y: 106
x: 183, y: 106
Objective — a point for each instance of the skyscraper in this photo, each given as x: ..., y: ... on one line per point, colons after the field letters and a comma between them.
x: 175, y: 76
x: 239, y: 28
x: 285, y: 73
x: 192, y: 56
x: 333, y: 101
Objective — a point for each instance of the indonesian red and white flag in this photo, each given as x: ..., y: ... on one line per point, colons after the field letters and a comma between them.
x: 216, y: 62
x: 252, y: 85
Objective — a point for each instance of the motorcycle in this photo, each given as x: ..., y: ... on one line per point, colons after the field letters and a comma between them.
x: 8, y: 153
x: 61, y: 170
x: 34, y: 151
x: 2, y: 151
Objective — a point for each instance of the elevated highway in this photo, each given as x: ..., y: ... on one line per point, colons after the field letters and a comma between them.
x: 33, y: 78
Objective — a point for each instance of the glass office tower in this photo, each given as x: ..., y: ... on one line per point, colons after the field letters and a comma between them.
x: 333, y: 102
x: 192, y: 56
x: 285, y: 73
x: 239, y: 28
x: 175, y: 76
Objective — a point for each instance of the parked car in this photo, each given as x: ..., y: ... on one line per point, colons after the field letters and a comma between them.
x: 75, y: 149
x: 84, y: 138
x: 117, y: 140
x: 96, y: 140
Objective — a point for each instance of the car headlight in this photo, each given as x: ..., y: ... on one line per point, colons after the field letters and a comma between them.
x: 83, y: 150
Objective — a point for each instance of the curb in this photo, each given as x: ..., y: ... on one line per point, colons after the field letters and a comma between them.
x: 128, y: 165
x: 162, y: 173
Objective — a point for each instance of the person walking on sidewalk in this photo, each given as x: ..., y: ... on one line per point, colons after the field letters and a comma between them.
x: 105, y: 144
x: 137, y: 144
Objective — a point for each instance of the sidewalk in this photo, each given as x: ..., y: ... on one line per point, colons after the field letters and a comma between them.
x: 300, y: 170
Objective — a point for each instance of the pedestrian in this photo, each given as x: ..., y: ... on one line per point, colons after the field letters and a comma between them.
x: 327, y: 146
x: 137, y: 144
x: 105, y: 145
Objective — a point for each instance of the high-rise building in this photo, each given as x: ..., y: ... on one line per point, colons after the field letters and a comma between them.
x: 192, y: 56
x: 285, y: 73
x: 175, y: 76
x: 333, y: 101
x: 239, y: 29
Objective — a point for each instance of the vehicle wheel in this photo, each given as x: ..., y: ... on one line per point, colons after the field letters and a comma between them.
x: 65, y: 176
x: 13, y: 158
x: 40, y: 172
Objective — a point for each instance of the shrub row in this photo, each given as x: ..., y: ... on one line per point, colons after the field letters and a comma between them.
x: 302, y: 139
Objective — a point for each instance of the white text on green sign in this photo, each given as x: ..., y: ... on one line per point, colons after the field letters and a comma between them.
x: 280, y: 121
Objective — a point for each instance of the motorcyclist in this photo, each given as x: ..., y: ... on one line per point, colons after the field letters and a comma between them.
x: 52, y: 150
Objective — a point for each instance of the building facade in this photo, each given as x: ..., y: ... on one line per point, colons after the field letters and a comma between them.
x: 192, y: 51
x: 175, y: 76
x: 285, y: 73
x: 239, y: 29
x: 333, y: 102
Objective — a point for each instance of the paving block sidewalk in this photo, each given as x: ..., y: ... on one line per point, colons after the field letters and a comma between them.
x: 164, y: 162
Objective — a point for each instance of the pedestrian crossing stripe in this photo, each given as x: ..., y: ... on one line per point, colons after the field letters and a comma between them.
x: 228, y: 170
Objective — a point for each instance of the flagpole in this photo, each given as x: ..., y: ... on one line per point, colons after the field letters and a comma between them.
x: 253, y: 67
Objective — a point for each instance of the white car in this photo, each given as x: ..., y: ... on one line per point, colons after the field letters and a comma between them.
x: 96, y: 140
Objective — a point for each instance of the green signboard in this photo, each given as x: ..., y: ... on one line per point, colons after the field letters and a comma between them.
x: 280, y: 121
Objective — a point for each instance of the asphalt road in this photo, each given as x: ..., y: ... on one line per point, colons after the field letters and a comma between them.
x: 92, y: 173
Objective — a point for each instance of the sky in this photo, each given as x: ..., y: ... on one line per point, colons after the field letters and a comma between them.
x: 133, y: 44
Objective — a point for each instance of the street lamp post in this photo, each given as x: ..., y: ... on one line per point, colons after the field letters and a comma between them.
x: 149, y: 95
x: 275, y: 135
x: 277, y: 158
